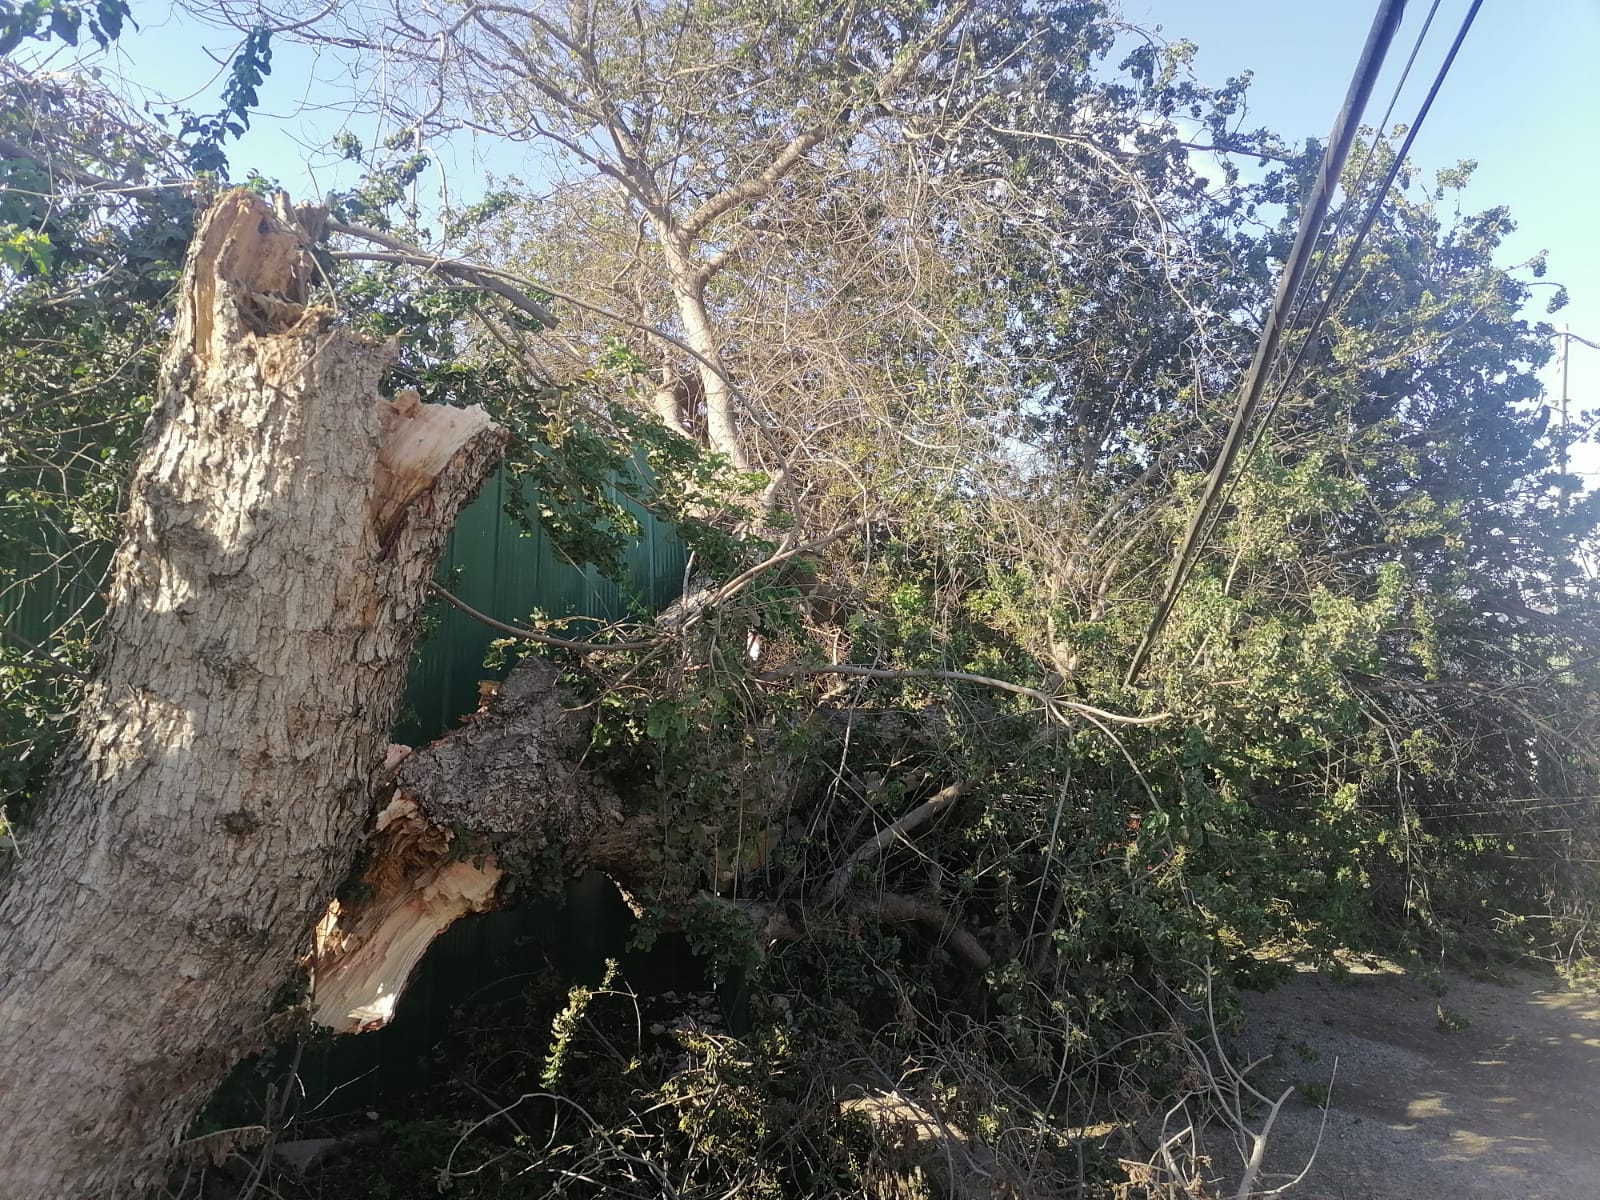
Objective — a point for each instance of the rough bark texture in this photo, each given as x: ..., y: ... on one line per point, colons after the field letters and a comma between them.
x: 514, y: 771
x: 511, y: 771
x: 284, y: 524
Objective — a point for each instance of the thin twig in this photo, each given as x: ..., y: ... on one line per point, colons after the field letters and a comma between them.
x: 531, y: 635
x: 1045, y: 698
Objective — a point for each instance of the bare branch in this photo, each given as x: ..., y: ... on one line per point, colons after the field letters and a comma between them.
x: 1047, y: 699
x: 915, y: 819
x: 488, y: 278
x: 530, y: 635
x: 783, y: 162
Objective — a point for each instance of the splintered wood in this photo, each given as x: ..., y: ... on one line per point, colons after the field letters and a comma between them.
x: 412, y: 892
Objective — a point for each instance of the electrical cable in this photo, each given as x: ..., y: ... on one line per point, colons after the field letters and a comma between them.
x: 1309, y: 287
x: 1367, y: 223
x: 1320, y: 197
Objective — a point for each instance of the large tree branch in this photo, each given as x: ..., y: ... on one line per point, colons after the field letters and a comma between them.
x: 502, y: 283
x: 888, y: 836
x: 696, y: 223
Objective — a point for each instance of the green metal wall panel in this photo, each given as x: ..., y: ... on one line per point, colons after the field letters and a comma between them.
x: 503, y: 572
x: 494, y: 566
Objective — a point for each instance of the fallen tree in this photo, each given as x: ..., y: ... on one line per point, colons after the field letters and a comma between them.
x: 512, y: 777
x: 955, y: 288
x: 284, y: 525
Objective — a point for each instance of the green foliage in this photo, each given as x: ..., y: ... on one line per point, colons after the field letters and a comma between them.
x: 567, y: 1025
x: 1448, y: 1020
x: 24, y: 250
x: 1332, y: 707
x: 246, y: 73
x: 1316, y: 1093
x: 41, y: 20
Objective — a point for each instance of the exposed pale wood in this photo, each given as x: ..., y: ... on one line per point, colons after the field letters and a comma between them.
x: 510, y: 770
x: 284, y: 523
x: 514, y: 770
x: 414, y: 891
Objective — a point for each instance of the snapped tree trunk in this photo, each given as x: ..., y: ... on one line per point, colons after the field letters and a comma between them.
x: 512, y: 771
x: 284, y: 524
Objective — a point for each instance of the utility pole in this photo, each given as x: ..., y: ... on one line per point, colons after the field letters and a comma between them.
x: 1567, y: 338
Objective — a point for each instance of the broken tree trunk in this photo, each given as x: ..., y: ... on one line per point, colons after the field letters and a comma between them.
x: 284, y: 525
x: 512, y: 772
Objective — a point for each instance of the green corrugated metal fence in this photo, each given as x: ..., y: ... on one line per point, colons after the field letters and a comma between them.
x: 507, y: 574
x: 489, y: 562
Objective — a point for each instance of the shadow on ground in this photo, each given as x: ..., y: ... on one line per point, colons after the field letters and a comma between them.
x: 1463, y: 1090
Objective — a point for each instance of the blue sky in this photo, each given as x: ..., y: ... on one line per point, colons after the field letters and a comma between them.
x: 1523, y: 100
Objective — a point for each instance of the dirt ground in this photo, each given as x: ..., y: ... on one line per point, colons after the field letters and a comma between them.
x: 1463, y: 1090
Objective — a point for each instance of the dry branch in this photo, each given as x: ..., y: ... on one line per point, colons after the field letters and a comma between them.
x: 1049, y: 700
x: 915, y: 819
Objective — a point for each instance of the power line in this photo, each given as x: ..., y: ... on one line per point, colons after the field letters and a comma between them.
x: 1352, y: 254
x: 1369, y: 220
x: 1320, y: 197
x: 1309, y: 288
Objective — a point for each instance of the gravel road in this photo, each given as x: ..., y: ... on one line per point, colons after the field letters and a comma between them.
x: 1462, y: 1090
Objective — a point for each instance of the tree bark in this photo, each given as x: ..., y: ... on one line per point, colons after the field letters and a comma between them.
x: 689, y: 290
x: 512, y: 776
x: 284, y: 524
x: 511, y: 772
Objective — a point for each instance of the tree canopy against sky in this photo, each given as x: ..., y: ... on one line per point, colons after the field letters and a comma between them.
x: 930, y: 326
x: 1298, y: 62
